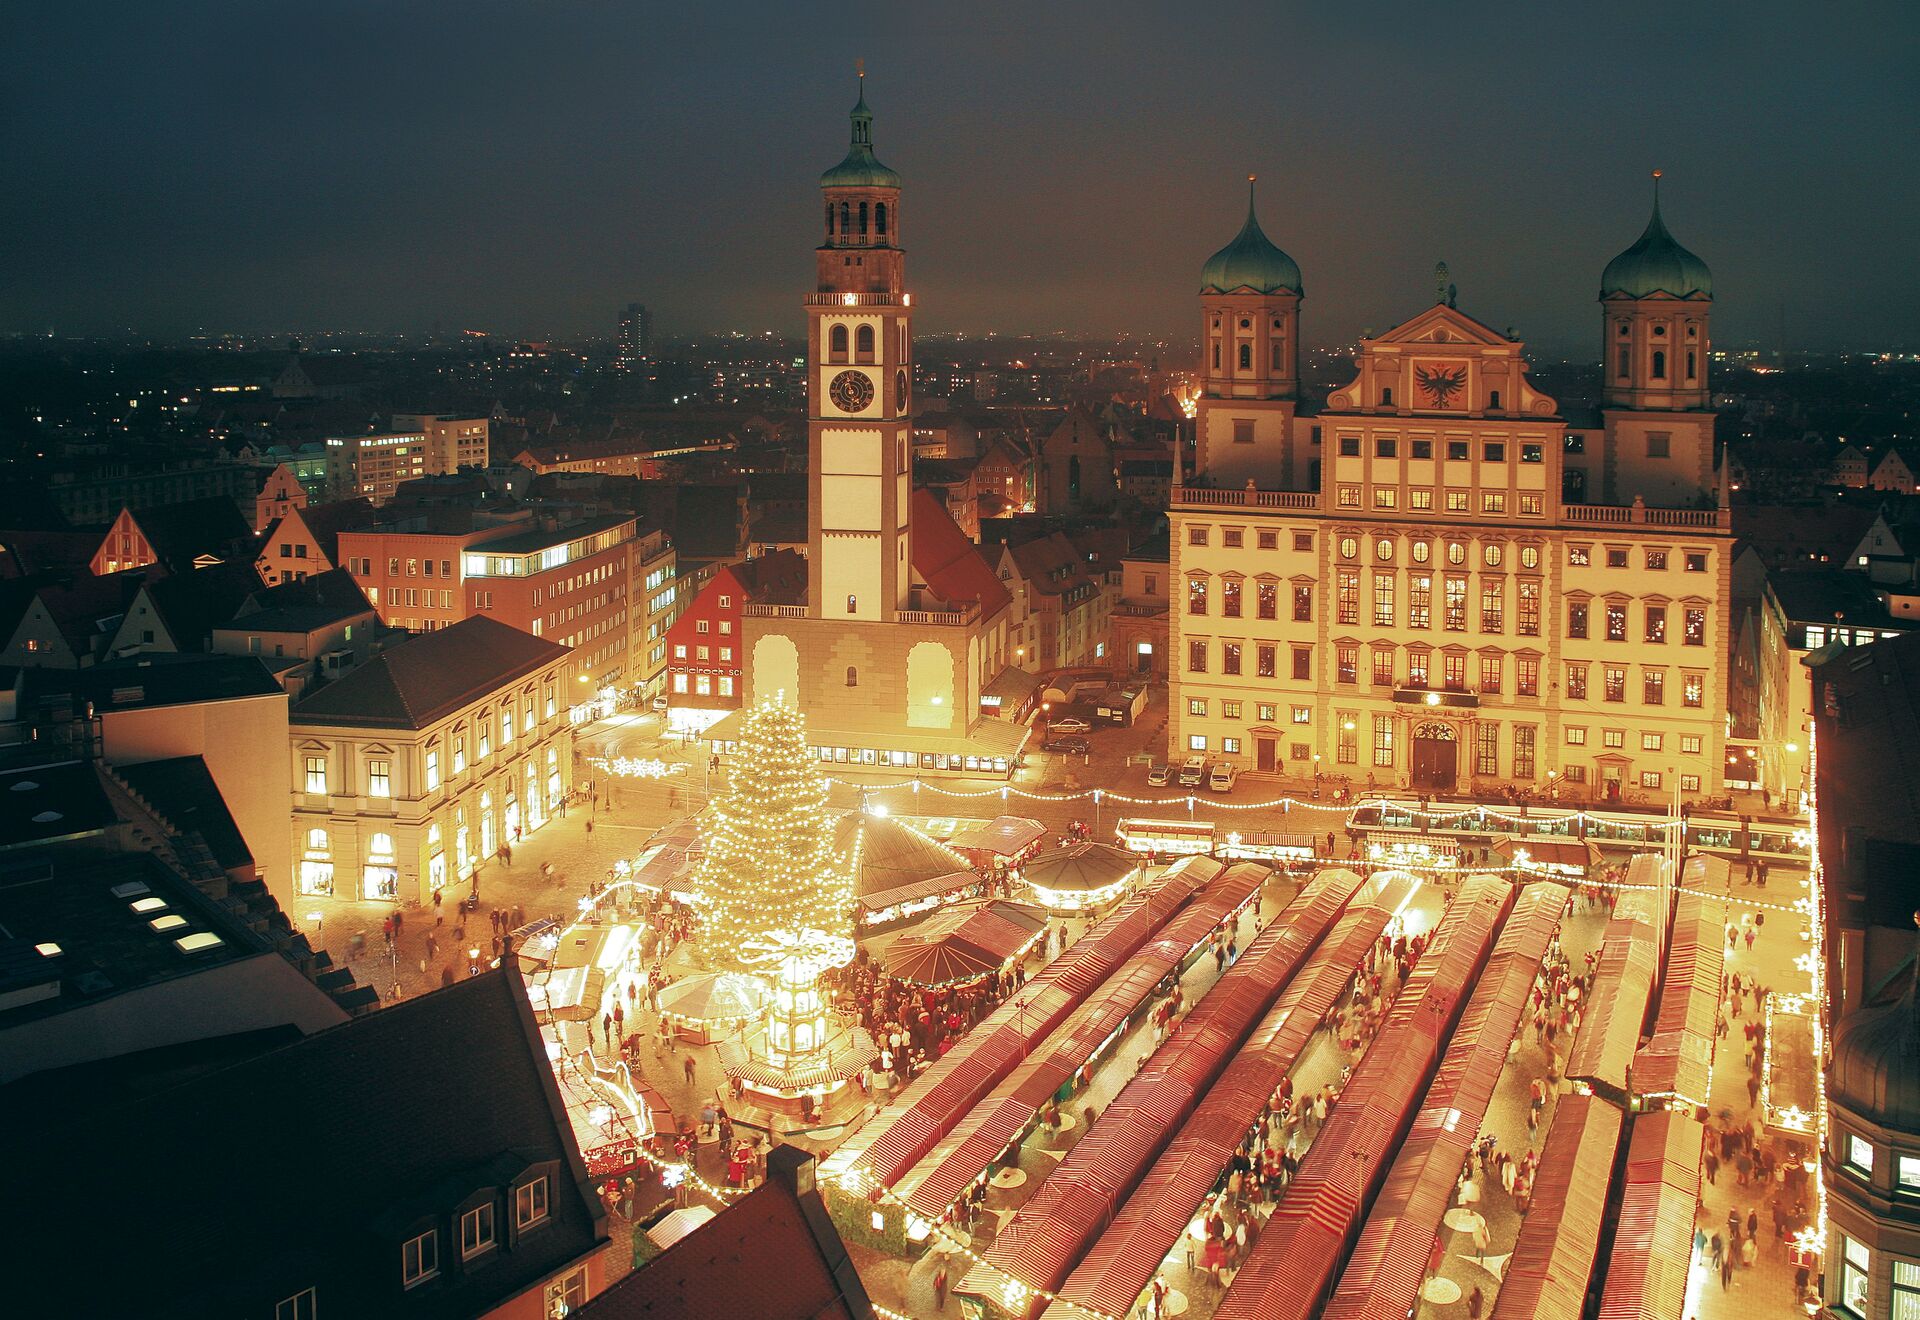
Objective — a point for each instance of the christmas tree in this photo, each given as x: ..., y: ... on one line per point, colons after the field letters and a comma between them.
x: 770, y: 877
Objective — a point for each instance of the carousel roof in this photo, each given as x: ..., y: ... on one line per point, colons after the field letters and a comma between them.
x: 1005, y: 835
x: 963, y: 942
x: 1080, y: 868
x: 715, y: 997
x: 843, y: 1059
x: 887, y: 854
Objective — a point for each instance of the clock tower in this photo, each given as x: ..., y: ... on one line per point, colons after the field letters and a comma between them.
x: 859, y: 374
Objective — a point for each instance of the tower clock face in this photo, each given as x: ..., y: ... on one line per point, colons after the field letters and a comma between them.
x: 900, y: 387
x: 851, y: 391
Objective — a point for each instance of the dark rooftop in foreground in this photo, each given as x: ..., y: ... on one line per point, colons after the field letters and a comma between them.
x: 182, y: 790
x: 153, y: 680
x: 47, y: 802
x: 309, y: 1166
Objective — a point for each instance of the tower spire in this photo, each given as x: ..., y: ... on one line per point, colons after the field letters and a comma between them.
x: 862, y: 117
x: 1251, y: 178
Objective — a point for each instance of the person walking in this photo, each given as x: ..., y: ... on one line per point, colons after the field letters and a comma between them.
x: 688, y: 1068
x: 1476, y: 1303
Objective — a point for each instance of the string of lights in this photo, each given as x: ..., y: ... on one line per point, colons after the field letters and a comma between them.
x: 654, y: 769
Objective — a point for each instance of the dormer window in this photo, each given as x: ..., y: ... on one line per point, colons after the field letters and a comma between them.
x: 530, y: 1203
x: 304, y: 1305
x: 476, y: 1231
x: 419, y: 1259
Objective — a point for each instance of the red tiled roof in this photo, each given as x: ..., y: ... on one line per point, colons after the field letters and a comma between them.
x: 771, y: 1255
x: 952, y: 566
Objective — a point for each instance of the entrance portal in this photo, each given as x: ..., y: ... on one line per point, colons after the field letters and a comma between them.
x: 1436, y: 756
x: 1263, y: 749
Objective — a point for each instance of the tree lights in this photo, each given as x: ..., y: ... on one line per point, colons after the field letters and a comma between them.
x: 769, y: 875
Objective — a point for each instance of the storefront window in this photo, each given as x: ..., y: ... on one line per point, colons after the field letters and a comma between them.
x: 1855, y: 1261
x: 1906, y: 1290
x: 380, y: 878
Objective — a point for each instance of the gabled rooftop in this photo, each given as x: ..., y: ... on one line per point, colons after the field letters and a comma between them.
x: 429, y: 676
x: 309, y: 1165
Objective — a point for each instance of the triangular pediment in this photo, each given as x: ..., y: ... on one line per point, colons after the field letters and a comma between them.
x: 1441, y: 324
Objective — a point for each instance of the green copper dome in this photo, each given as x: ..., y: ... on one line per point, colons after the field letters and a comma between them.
x: 860, y: 169
x: 1656, y: 264
x: 1251, y: 261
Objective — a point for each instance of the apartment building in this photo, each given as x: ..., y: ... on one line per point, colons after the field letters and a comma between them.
x: 454, y: 440
x: 573, y: 582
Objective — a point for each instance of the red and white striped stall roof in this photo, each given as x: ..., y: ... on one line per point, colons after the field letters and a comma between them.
x: 895, y: 1139
x: 1653, y: 1240
x: 1553, y: 1257
x: 1041, y: 1243
x: 1121, y: 1263
x: 1291, y: 1268
x: 1384, y: 1271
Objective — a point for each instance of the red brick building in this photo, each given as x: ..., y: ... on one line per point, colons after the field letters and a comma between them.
x: 704, y: 657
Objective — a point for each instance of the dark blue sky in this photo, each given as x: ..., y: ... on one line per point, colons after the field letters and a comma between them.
x: 525, y: 168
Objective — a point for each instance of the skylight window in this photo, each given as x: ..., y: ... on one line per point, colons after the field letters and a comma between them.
x: 148, y: 904
x: 48, y: 949
x: 131, y: 889
x: 172, y: 921
x: 198, y: 942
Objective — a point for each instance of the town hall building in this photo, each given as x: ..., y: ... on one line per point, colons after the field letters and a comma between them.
x: 1439, y: 579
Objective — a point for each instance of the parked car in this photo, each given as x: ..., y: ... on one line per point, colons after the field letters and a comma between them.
x: 1073, y: 746
x: 1193, y: 771
x: 1221, y: 777
x: 1158, y: 772
x: 1069, y: 725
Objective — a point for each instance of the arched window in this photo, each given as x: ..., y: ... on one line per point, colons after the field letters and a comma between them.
x: 845, y: 228
x: 1216, y: 357
x: 863, y: 219
x: 1246, y: 357
x: 880, y: 219
x: 1659, y: 364
x: 863, y: 344
x: 316, y: 841
x: 837, y: 343
x: 853, y: 604
x: 381, y: 845
x: 1493, y: 400
x: 1692, y: 365
x: 1386, y: 397
x: 1073, y: 477
x: 1278, y: 362
x: 853, y: 676
x: 829, y: 219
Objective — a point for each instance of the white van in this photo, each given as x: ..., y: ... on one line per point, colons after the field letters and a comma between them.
x: 1220, y: 778
x: 1193, y: 771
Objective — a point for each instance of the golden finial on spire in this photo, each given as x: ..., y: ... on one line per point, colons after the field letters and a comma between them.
x: 859, y: 68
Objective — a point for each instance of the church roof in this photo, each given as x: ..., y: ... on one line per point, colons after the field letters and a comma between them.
x: 861, y: 168
x: 1250, y: 262
x: 950, y: 564
x: 1656, y: 265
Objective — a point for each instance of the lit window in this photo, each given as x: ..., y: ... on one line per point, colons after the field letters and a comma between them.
x: 1859, y: 1154
x: 419, y: 1259
x: 476, y: 1231
x: 530, y: 1203
x: 433, y: 769
x: 316, y: 774
x: 379, y: 779
x: 1855, y: 1262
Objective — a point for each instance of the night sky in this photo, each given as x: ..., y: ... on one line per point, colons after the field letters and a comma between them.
x: 526, y: 168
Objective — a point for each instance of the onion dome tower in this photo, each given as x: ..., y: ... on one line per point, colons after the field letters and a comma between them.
x: 1656, y: 302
